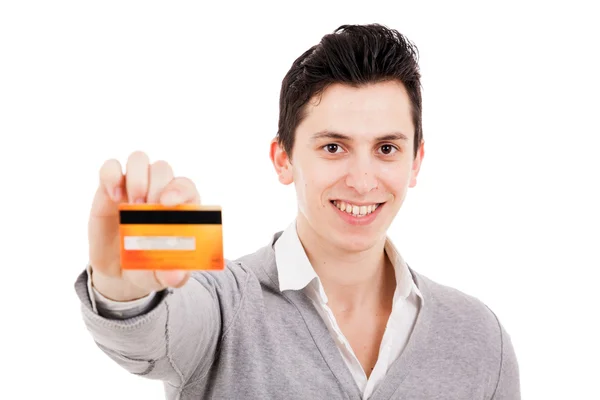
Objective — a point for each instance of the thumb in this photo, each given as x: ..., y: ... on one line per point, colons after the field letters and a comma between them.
x: 172, y: 279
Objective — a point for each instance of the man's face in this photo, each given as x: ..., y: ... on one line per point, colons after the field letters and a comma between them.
x: 352, y: 164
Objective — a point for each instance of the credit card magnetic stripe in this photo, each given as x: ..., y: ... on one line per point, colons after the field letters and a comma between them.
x: 162, y: 217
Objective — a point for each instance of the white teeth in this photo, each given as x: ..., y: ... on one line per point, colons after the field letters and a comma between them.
x: 357, y: 211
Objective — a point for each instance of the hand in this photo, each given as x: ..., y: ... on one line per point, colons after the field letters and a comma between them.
x: 142, y: 183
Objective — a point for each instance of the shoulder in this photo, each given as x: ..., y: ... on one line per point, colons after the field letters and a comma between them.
x: 463, y: 324
x: 464, y: 329
x: 240, y: 277
x: 239, y: 284
x: 228, y: 285
x: 455, y: 308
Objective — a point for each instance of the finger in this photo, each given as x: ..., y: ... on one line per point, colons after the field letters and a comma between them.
x: 111, y: 177
x: 156, y: 280
x: 110, y: 189
x: 180, y: 191
x: 137, y: 177
x: 161, y: 174
x: 172, y: 279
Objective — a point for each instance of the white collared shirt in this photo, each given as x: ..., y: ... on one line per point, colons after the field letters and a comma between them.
x: 296, y: 273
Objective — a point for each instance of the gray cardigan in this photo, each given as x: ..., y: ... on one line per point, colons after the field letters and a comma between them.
x: 234, y: 335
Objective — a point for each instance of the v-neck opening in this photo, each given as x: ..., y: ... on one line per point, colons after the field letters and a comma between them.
x: 325, y: 343
x: 398, y: 370
x: 401, y: 367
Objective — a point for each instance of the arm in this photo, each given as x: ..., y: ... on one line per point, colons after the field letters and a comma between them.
x: 117, y: 309
x: 173, y: 339
x: 157, y: 343
x: 509, y: 386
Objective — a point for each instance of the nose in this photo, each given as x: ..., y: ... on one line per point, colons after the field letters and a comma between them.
x: 362, y: 175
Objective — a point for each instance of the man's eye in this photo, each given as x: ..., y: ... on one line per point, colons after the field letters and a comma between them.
x: 388, y: 149
x: 332, y: 148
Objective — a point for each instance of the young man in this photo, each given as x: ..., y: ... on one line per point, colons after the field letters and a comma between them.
x: 328, y: 309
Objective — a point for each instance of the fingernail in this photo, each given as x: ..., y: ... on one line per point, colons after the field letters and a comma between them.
x: 139, y: 200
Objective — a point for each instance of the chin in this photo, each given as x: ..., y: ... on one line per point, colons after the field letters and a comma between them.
x: 346, y: 232
x: 354, y: 242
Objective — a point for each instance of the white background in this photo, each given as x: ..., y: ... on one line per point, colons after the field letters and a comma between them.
x: 506, y: 206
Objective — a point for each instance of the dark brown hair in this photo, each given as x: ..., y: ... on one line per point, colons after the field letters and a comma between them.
x: 354, y: 55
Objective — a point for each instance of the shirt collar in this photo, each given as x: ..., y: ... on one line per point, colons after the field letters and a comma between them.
x: 295, y: 271
x: 293, y: 267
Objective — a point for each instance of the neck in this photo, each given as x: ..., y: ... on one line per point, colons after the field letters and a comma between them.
x: 353, y: 281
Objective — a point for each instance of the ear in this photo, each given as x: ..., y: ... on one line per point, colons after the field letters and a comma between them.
x: 281, y: 163
x: 416, y: 165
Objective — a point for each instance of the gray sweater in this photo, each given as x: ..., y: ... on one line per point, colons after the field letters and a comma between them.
x: 234, y: 335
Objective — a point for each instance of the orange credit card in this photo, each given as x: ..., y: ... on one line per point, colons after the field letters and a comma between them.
x: 184, y: 237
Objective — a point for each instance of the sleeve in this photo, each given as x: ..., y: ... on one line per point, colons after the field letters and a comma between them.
x: 170, y: 341
x: 116, y: 309
x: 509, y: 386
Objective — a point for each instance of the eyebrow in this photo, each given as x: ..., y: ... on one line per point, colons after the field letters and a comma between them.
x: 340, y: 136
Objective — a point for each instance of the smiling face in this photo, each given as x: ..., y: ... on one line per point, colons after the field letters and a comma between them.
x: 352, y: 164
